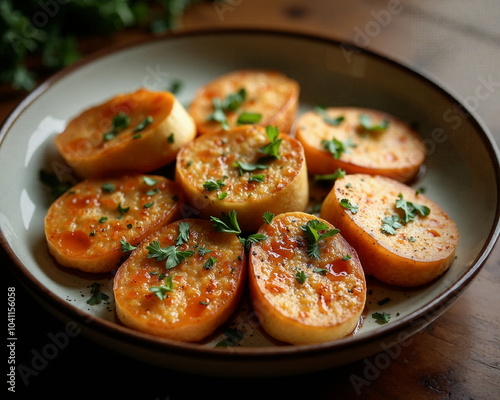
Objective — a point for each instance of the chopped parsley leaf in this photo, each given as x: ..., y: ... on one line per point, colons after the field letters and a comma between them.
x: 390, y: 224
x: 314, y: 231
x: 248, y: 167
x: 248, y: 118
x: 210, y: 263
x: 120, y: 122
x: 257, y: 178
x: 301, y: 276
x: 143, y: 124
x: 227, y: 223
x: 410, y: 209
x: 339, y: 173
x: 108, y: 187
x: 381, y: 318
x: 254, y: 238
x: 366, y: 122
x: 97, y: 296
x: 126, y: 246
x: 346, y: 203
x: 212, y: 185
x: 272, y: 149
x: 171, y: 254
x: 336, y: 148
x: 268, y: 217
x: 149, y: 181
x: 183, y: 236
x: 162, y: 290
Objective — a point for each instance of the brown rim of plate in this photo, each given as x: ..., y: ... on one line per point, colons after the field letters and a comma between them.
x: 410, y: 324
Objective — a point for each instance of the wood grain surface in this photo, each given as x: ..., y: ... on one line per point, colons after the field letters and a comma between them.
x: 456, y: 357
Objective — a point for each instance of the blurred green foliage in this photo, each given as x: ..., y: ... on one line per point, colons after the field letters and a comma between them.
x: 50, y: 29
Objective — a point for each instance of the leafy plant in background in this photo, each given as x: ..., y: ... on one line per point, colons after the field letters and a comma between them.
x: 44, y: 33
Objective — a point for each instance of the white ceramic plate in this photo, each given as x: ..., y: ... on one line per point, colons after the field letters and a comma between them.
x: 462, y: 175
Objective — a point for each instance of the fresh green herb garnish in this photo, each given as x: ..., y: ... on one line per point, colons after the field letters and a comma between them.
x: 171, y: 254
x: 248, y: 118
x: 97, y: 296
x: 254, y: 238
x: 183, y: 236
x: 222, y: 195
x: 121, y: 121
x: 268, y: 217
x: 229, y: 104
x: 301, y: 276
x: 327, y: 119
x: 212, y: 185
x: 152, y: 192
x: 339, y: 173
x: 410, y: 209
x: 347, y: 257
x: 108, y: 187
x: 227, y: 223
x: 175, y: 86
x: 257, y: 178
x: 126, y: 246
x: 143, y: 124
x: 162, y: 290
x: 122, y: 210
x: 202, y: 251
x: 248, y: 167
x: 336, y: 148
x: 171, y: 138
x: 272, y: 149
x: 102, y: 219
x: 315, y: 231
x: 322, y: 271
x: 346, y: 203
x: 390, y: 224
x: 367, y: 123
x: 210, y: 263
x: 148, y: 205
x: 149, y: 181
x: 381, y: 318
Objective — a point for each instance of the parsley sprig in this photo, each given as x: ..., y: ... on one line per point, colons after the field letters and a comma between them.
x: 227, y: 223
x: 97, y: 296
x: 367, y: 124
x: 171, y: 254
x: 336, y: 148
x: 162, y: 290
x: 120, y: 122
x: 409, y: 212
x: 315, y: 231
x: 223, y: 106
x: 333, y: 121
x: 272, y: 149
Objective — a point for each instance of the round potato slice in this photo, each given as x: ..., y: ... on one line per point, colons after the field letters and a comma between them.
x: 227, y: 170
x: 133, y: 132
x: 86, y: 226
x: 182, y: 282
x: 402, y: 237
x: 269, y: 96
x: 304, y: 290
x: 360, y: 140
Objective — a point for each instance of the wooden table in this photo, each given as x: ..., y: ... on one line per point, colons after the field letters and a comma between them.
x: 456, y: 357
